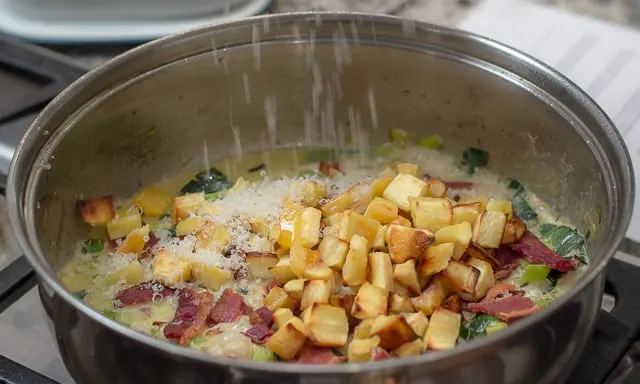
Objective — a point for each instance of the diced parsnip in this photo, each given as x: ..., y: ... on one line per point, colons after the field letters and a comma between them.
x: 431, y: 213
x: 402, y: 221
x: 481, y: 254
x: 189, y: 225
x: 431, y: 298
x: 443, y: 330
x: 408, y: 168
x: 327, y: 325
x: 370, y: 302
x: 486, y: 279
x: 121, y: 226
x: 258, y: 264
x: 503, y: 206
x: 210, y: 276
x: 379, y: 185
x: 354, y: 270
x: 186, y: 205
x: 481, y: 201
x: 213, y: 237
x: 363, y: 329
x: 282, y: 234
x: 98, y: 211
x: 382, y: 210
x: 282, y: 270
x: 335, y: 219
x: 289, y: 339
x: 402, y: 188
x: 281, y: 316
x: 135, y: 241
x: 277, y: 298
x: 356, y: 224
x: 489, y: 228
x: 393, y: 331
x: 458, y: 234
x: 466, y: 212
x: 309, y: 192
x: 301, y: 257
x: 170, y: 269
x: 343, y: 201
x: 381, y: 270
x: 307, y: 227
x: 259, y: 226
x: 406, y: 243
x: 295, y: 288
x: 333, y: 251
x: 453, y: 303
x: 400, y: 304
x: 153, y: 201
x: 399, y: 289
x: 461, y: 277
x: 513, y: 231
x: 379, y: 243
x: 361, y: 350
x: 436, y: 188
x: 418, y: 322
x: 132, y: 273
x: 410, y: 349
x: 435, y: 259
x: 318, y: 271
x: 315, y: 291
x: 405, y: 274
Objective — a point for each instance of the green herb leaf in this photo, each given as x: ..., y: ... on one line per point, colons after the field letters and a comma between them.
x: 215, y: 195
x: 519, y: 201
x: 562, y: 239
x: 515, y: 186
x: 197, y: 341
x: 243, y: 291
x: 534, y: 273
x: 431, y: 142
x: 82, y: 294
x: 92, y: 246
x: 399, y: 136
x: 260, y: 353
x: 113, y: 315
x: 477, y: 326
x: 172, y: 232
x: 208, y: 182
x: 473, y: 158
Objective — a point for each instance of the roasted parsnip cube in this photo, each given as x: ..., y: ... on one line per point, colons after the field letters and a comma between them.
x: 388, y: 172
x: 435, y: 259
x: 408, y: 168
x: 327, y: 325
x: 309, y: 192
x: 431, y: 298
x: 452, y: 303
x: 399, y: 289
x: 378, y: 186
x: 402, y: 188
x: 318, y: 271
x: 361, y: 350
x: 356, y: 224
x: 489, y: 228
x: 503, y: 206
x: 406, y: 243
x: 403, y: 221
x: 301, y: 257
x: 259, y: 226
x: 382, y: 210
x: 405, y: 274
x: 189, y: 225
x: 210, y: 276
x: 370, y: 302
x: 281, y: 316
x: 282, y: 270
x: 295, y: 288
x: 443, y: 330
x: 354, y: 270
x: 463, y: 278
x: 122, y: 226
x: 288, y: 339
x: 513, y: 231
x: 381, y: 270
x: 418, y: 322
x: 436, y: 188
x: 363, y: 329
x: 259, y: 264
x: 410, y: 349
x: 466, y: 212
x: 481, y: 254
x: 186, y: 205
x: 400, y: 304
x: 481, y: 201
x: 315, y: 291
x: 486, y: 279
x: 431, y: 213
x: 135, y: 241
x: 458, y: 234
x: 334, y: 219
x: 170, y: 269
x: 132, y: 273
x: 278, y: 298
x: 393, y: 331
x: 379, y: 243
x: 343, y: 201
x: 213, y: 237
x: 333, y: 251
x: 153, y: 201
x: 307, y: 227
x: 96, y: 211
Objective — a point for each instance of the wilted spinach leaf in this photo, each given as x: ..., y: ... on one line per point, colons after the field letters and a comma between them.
x: 92, y: 246
x: 473, y: 158
x: 519, y: 201
x: 477, y: 326
x: 208, y: 182
x: 561, y: 238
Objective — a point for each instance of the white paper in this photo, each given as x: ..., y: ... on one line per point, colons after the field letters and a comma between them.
x: 602, y: 58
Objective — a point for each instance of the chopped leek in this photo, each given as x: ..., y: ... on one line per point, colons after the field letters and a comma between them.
x: 495, y: 327
x: 113, y: 315
x: 562, y: 239
x: 261, y: 353
x: 519, y: 201
x: 208, y: 182
x: 431, y: 142
x: 385, y: 149
x: 473, y: 158
x: 197, y: 341
x: 92, y: 246
x: 399, y: 136
x: 478, y: 326
x: 534, y: 273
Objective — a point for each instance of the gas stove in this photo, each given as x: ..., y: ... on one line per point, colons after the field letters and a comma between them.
x: 30, y: 76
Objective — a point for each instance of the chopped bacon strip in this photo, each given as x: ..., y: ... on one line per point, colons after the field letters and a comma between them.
x: 498, y: 291
x: 325, y: 167
x: 141, y: 294
x: 380, y: 354
x: 459, y: 185
x: 146, y: 251
x: 246, y: 310
x: 228, y: 308
x: 191, y: 316
x: 112, y: 246
x: 537, y: 252
x: 504, y: 272
x: 506, y: 309
x: 270, y: 284
x: 262, y: 315
x: 319, y: 355
x: 259, y: 333
x: 507, y: 260
x: 213, y: 332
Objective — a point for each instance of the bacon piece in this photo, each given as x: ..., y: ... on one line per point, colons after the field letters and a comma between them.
x: 112, y: 246
x: 537, y: 252
x: 191, y: 316
x: 262, y: 315
x: 506, y: 309
x: 270, y: 284
x: 146, y: 251
x: 259, y: 333
x: 325, y: 167
x: 228, y: 308
x: 507, y: 260
x: 141, y: 294
x: 319, y: 355
x: 453, y: 303
x: 380, y: 354
x: 498, y: 291
x: 246, y: 310
x: 465, y: 185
